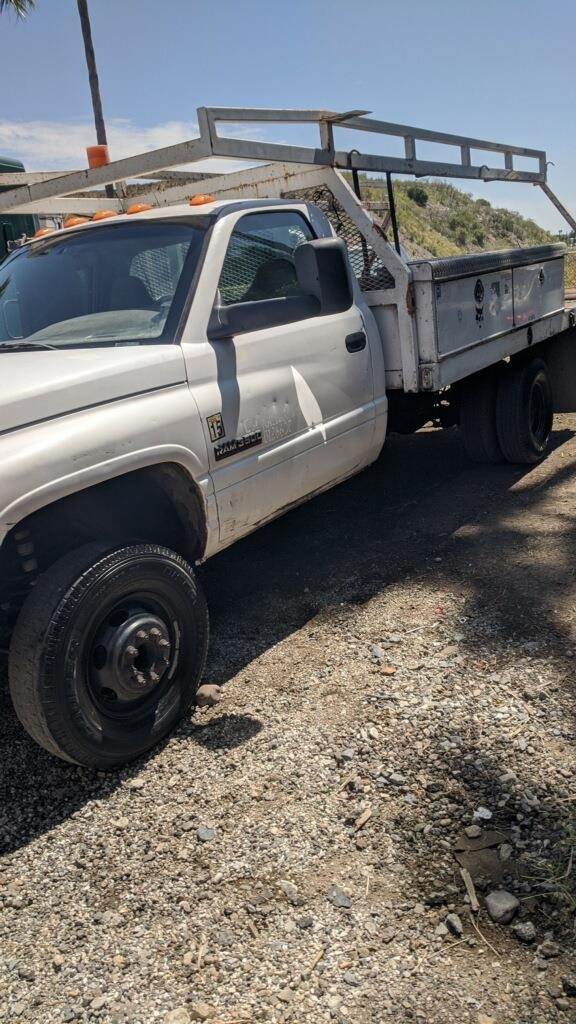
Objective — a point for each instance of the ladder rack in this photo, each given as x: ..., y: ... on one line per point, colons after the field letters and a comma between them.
x: 49, y: 193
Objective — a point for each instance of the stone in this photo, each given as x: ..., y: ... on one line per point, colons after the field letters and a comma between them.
x: 505, y: 851
x: 502, y: 906
x: 397, y: 778
x: 98, y: 1003
x: 473, y: 831
x: 569, y: 985
x: 136, y: 784
x: 290, y: 891
x: 347, y: 755
x: 548, y: 949
x: 454, y: 925
x: 350, y: 979
x: 208, y: 695
x: 179, y: 1016
x: 201, y: 1011
x: 482, y: 814
x: 204, y: 834
x: 524, y: 931
x: 307, y: 921
x: 338, y: 898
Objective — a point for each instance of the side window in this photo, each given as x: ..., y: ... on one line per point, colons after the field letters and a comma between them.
x: 259, y: 262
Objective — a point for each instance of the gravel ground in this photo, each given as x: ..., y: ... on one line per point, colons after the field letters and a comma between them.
x: 399, y: 705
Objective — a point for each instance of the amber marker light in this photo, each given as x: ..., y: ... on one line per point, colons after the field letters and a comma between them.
x: 138, y: 208
x: 73, y: 222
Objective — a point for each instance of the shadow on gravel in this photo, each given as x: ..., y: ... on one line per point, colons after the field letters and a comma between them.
x: 345, y: 546
x: 350, y: 543
x: 227, y: 732
x: 38, y: 792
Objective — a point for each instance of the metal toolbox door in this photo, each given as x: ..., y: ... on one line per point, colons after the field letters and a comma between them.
x: 538, y: 290
x: 472, y: 309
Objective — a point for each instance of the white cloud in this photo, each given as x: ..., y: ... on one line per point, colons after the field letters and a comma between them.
x: 59, y: 145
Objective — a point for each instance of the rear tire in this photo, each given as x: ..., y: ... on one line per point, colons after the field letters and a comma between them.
x: 524, y: 412
x: 478, y: 418
x: 107, y: 652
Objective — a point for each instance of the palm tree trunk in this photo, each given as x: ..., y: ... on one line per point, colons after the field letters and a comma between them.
x: 101, y: 138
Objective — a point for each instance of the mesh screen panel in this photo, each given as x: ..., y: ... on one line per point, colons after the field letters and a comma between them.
x: 366, y: 264
x: 259, y: 263
x: 160, y: 269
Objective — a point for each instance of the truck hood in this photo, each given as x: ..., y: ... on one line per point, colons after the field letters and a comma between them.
x: 39, y: 385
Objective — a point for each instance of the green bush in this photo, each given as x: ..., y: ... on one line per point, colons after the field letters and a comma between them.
x: 418, y: 194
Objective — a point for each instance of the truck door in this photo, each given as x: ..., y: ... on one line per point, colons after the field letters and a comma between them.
x: 290, y: 408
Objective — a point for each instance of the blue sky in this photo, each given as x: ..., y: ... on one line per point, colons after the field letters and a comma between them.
x: 500, y: 69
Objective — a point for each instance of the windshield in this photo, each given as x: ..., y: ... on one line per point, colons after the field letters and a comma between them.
x: 113, y: 284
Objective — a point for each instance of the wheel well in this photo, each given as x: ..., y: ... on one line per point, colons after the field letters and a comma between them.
x: 157, y: 504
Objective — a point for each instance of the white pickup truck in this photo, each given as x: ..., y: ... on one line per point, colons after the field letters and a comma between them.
x: 172, y: 378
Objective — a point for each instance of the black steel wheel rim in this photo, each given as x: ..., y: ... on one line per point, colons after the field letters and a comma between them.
x: 131, y: 654
x: 540, y: 420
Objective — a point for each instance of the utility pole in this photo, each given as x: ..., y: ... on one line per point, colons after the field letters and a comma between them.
x: 101, y: 137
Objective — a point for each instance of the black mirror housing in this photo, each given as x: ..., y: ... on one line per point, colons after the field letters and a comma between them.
x: 323, y: 271
x: 242, y: 317
x: 324, y: 280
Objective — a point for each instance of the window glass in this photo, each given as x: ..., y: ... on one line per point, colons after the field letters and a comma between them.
x: 259, y: 263
x: 115, y: 283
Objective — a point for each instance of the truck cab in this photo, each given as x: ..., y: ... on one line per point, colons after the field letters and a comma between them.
x: 187, y: 375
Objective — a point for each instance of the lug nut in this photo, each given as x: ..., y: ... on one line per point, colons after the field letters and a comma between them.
x: 155, y: 632
x: 140, y: 679
x: 164, y: 643
x: 131, y: 651
x: 141, y: 634
x: 154, y: 677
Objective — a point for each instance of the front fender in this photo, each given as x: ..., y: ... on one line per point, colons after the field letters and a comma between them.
x: 53, y: 459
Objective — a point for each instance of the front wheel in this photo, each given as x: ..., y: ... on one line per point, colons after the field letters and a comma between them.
x: 107, y: 652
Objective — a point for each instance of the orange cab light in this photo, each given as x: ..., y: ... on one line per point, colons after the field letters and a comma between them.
x: 104, y: 214
x: 42, y: 231
x: 98, y: 156
x: 73, y: 221
x: 138, y: 208
x: 200, y: 199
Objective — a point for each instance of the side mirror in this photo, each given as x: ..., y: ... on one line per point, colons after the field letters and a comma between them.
x: 323, y: 271
x: 324, y: 282
x: 242, y: 317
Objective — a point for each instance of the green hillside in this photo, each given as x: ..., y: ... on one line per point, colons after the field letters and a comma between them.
x: 436, y: 219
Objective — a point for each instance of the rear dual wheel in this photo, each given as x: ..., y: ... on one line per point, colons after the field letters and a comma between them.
x: 506, y: 413
x: 107, y: 652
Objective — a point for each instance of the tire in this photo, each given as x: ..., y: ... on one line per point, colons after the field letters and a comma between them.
x: 107, y: 652
x: 478, y: 418
x: 524, y: 412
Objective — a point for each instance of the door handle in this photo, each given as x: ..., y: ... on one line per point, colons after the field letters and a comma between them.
x: 356, y: 342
